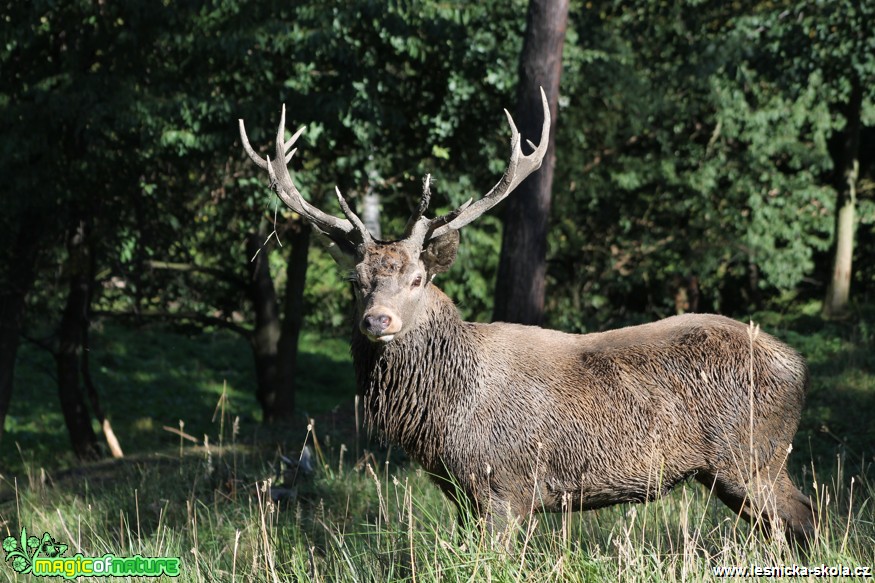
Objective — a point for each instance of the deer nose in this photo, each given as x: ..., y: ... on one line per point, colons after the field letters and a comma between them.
x: 376, y: 324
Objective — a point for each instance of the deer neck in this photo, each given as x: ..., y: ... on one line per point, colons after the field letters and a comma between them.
x: 411, y: 384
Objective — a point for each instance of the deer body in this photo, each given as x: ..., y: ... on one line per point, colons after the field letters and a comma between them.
x: 512, y: 419
x: 521, y: 419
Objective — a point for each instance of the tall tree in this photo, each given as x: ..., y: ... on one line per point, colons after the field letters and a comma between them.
x: 17, y: 273
x: 847, y: 174
x: 275, y: 333
x: 72, y: 331
x: 833, y: 41
x: 522, y: 269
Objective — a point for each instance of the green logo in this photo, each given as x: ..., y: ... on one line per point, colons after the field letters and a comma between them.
x: 44, y: 557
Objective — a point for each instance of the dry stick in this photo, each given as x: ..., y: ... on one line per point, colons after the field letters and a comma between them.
x: 182, y: 435
x: 94, y: 398
x: 848, y: 524
x: 272, y: 233
x: 530, y: 527
x: 237, y: 534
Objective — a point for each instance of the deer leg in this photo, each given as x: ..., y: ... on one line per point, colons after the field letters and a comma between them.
x: 800, y: 514
x: 501, y: 522
x: 731, y: 492
x: 780, y: 503
x: 769, y: 500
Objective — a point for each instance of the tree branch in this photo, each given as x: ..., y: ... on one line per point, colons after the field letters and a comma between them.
x: 192, y: 268
x: 47, y: 344
x: 191, y: 316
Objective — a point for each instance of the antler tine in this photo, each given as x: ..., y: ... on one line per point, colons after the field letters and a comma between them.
x: 418, y: 213
x: 353, y: 218
x: 291, y: 143
x: 253, y: 155
x: 426, y: 196
x: 281, y: 181
x: 518, y: 168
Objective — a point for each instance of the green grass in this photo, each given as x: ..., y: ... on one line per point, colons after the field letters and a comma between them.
x: 369, y: 519
x: 366, y: 514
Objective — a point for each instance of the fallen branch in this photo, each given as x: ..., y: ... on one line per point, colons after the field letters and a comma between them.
x: 180, y: 433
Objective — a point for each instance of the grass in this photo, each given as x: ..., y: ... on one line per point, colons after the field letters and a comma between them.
x: 372, y: 519
x: 233, y: 510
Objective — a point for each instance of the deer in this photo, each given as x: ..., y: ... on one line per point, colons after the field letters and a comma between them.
x: 511, y: 420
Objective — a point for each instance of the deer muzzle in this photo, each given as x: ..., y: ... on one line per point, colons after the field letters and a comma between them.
x: 380, y: 325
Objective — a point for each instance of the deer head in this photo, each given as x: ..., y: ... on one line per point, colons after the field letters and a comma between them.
x: 391, y: 277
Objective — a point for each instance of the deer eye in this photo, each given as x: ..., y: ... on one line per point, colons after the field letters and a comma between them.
x: 417, y: 282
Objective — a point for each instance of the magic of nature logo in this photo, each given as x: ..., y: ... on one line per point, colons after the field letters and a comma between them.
x: 44, y: 557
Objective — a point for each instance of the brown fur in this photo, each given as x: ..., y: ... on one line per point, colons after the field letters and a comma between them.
x: 514, y: 418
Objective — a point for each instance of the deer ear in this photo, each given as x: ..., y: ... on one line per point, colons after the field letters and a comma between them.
x: 440, y: 253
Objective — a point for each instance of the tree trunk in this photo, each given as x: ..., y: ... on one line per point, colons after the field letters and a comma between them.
x: 266, y: 334
x: 293, y: 316
x: 73, y: 321
x: 275, y: 342
x: 371, y: 214
x: 21, y: 272
x: 847, y: 172
x: 519, y: 295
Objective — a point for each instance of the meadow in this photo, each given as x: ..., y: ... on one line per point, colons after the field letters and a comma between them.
x: 321, y: 500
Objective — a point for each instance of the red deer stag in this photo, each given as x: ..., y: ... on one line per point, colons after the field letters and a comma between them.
x: 511, y: 419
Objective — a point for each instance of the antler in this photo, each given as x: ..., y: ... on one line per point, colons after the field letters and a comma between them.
x: 350, y: 229
x: 518, y: 168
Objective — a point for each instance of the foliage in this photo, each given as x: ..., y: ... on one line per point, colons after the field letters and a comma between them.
x: 687, y: 147
x: 692, y: 157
